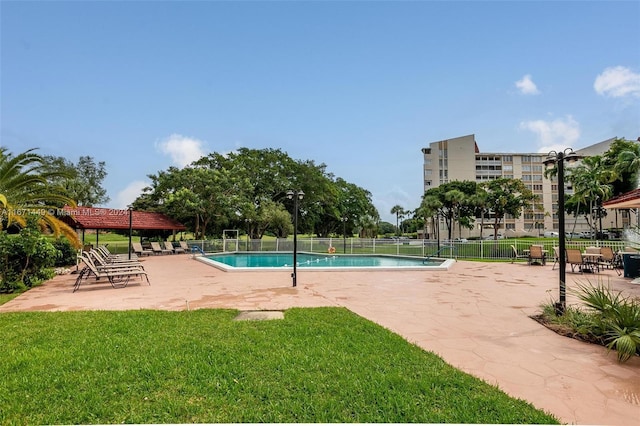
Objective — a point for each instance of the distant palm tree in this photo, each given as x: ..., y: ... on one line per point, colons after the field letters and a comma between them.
x: 25, y: 190
x: 592, y: 182
x: 398, y: 211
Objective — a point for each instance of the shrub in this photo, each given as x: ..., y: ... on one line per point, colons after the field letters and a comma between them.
x: 610, y: 319
x: 617, y: 319
x: 68, y: 254
x: 25, y: 259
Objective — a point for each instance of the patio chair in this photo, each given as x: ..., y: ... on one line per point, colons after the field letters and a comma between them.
x: 574, y: 258
x: 610, y: 260
x: 514, y: 254
x: 139, y: 251
x: 176, y: 250
x: 103, y: 263
x: 184, y: 246
x: 556, y: 256
x: 155, y: 246
x: 169, y: 246
x: 537, y: 255
x: 117, y: 257
x: 117, y: 277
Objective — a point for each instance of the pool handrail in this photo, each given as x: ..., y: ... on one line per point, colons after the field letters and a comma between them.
x: 438, y: 252
x: 195, y: 249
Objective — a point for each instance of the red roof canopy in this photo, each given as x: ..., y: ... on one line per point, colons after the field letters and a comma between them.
x: 628, y: 200
x: 103, y: 218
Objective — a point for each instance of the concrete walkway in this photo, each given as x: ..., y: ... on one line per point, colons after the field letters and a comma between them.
x: 475, y: 316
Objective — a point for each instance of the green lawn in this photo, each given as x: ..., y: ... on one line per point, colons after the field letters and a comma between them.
x: 5, y: 297
x: 317, y: 365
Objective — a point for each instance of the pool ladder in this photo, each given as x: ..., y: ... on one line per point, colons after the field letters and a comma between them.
x: 443, y: 248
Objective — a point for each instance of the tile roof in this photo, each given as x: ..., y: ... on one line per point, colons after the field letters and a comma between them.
x: 628, y: 200
x: 103, y: 218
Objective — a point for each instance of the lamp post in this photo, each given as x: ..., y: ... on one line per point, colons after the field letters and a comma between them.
x: 130, y: 229
x: 296, y: 196
x: 344, y: 233
x: 558, y: 158
x: 248, y: 221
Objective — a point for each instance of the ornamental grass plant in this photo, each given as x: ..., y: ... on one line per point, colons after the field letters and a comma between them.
x: 607, y: 317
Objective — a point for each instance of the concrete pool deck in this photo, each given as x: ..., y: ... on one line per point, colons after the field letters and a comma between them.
x: 475, y: 316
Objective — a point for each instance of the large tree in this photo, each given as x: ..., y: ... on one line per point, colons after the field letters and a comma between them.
x: 623, y: 158
x: 26, y: 189
x: 81, y: 181
x: 507, y: 196
x: 246, y: 189
x: 451, y: 201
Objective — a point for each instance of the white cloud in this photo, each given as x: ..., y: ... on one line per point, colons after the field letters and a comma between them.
x: 127, y: 196
x: 527, y: 86
x: 554, y: 135
x: 182, y: 150
x: 617, y: 82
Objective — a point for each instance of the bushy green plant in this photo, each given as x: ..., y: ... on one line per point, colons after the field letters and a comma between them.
x: 617, y: 320
x: 25, y: 258
x: 68, y: 254
x: 610, y: 319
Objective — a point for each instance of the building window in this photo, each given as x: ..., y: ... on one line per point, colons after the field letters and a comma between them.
x: 427, y: 183
x: 507, y: 168
x: 510, y: 226
x: 526, y: 168
x: 507, y: 158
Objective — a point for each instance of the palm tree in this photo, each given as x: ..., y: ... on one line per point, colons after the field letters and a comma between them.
x: 398, y: 211
x: 592, y: 182
x: 25, y: 191
x: 455, y: 198
x: 430, y: 207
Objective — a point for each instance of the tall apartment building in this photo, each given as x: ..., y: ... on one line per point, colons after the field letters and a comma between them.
x: 460, y: 159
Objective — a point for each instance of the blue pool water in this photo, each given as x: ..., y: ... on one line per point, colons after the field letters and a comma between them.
x: 272, y: 260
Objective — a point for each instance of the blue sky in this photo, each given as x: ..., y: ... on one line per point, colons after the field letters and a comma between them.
x: 360, y: 86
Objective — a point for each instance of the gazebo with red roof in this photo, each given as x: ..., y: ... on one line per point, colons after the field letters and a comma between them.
x: 104, y: 218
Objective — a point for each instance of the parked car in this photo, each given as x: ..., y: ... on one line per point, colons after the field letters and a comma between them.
x: 490, y: 236
x: 549, y: 234
x: 457, y: 240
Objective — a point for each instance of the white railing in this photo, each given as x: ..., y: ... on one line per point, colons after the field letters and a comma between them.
x: 472, y: 249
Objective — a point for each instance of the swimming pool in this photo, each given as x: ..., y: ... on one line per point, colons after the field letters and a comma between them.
x: 251, y: 261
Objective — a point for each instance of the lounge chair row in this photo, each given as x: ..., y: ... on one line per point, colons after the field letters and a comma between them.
x: 116, y: 269
x: 157, y: 248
